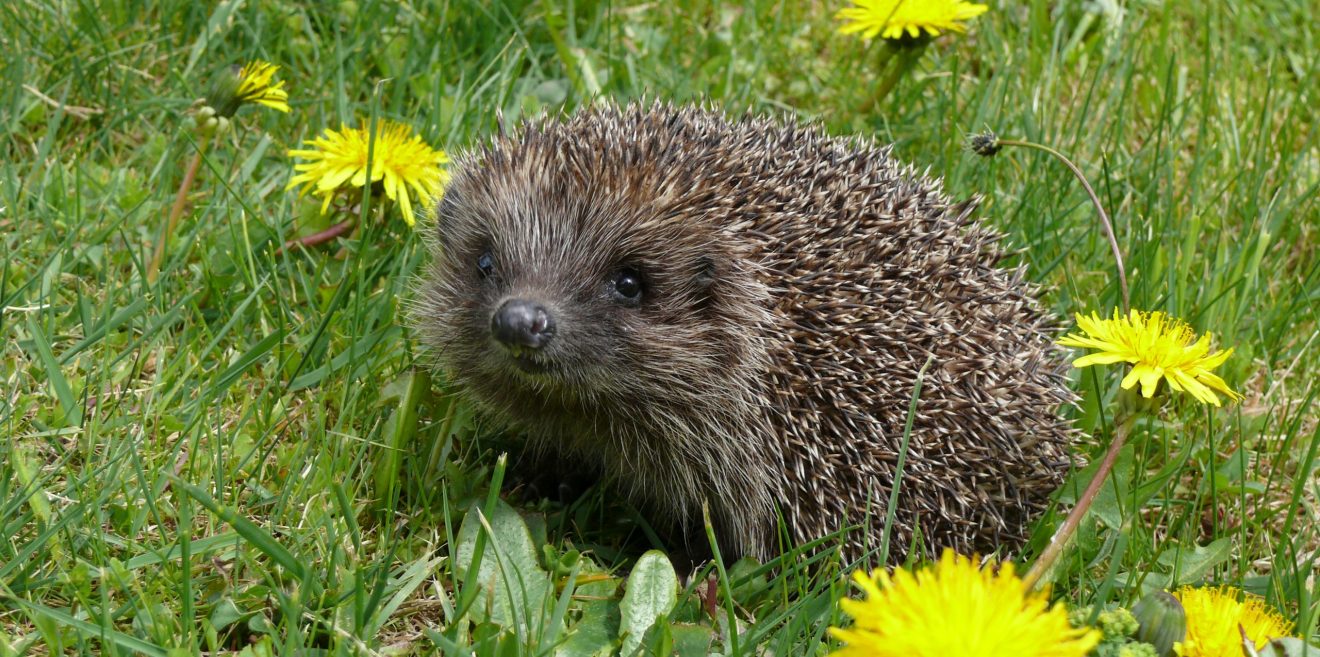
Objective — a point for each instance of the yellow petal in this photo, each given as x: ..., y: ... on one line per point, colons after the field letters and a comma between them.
x: 1216, y: 359
x: 1133, y: 376
x: 1196, y: 389
x: 1216, y: 383
x: 406, y: 206
x: 1174, y: 378
x: 1149, y: 380
x: 1197, y: 349
x: 1090, y: 343
x: 337, y: 177
x: 1100, y: 358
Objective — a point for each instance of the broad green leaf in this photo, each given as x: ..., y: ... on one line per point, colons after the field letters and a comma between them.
x: 1189, y: 566
x: 226, y: 613
x: 596, y: 633
x: 1285, y: 647
x: 659, y: 640
x: 652, y: 592
x: 515, y: 590
x: 1180, y: 566
x: 1110, y: 503
x: 692, y: 640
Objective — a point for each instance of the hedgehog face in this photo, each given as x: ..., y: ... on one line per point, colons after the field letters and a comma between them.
x: 548, y: 314
x: 570, y: 296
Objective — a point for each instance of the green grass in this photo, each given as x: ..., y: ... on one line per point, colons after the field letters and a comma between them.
x: 248, y: 453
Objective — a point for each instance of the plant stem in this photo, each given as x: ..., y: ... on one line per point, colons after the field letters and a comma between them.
x: 1095, y: 200
x: 1045, y: 562
x: 898, y: 67
x: 176, y: 211
x: 322, y: 237
x: 723, y: 578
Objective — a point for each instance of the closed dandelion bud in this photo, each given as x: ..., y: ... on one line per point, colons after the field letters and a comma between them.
x: 223, y: 99
x: 203, y: 121
x: 253, y: 82
x: 1161, y: 622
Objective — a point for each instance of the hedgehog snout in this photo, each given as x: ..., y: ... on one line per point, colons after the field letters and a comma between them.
x: 522, y: 324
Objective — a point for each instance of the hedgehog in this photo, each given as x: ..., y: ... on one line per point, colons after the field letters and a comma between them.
x: 730, y: 314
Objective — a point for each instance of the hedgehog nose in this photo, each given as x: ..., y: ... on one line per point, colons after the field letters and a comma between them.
x: 522, y: 323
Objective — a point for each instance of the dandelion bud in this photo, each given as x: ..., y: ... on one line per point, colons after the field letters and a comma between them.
x: 223, y: 99
x: 253, y: 82
x: 1161, y: 622
x: 985, y: 144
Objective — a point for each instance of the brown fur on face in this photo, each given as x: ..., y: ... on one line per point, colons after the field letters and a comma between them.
x: 793, y: 284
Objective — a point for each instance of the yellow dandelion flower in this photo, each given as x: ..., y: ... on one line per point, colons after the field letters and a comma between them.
x: 257, y: 85
x: 957, y: 608
x: 1214, y: 616
x: 1157, y: 346
x: 404, y: 163
x: 896, y: 19
x: 237, y: 86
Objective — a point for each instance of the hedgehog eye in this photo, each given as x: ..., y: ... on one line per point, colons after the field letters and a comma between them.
x: 486, y: 264
x: 627, y: 287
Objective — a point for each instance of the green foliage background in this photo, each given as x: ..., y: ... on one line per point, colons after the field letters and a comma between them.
x: 246, y: 455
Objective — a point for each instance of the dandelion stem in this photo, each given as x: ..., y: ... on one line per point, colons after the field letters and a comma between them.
x: 176, y: 211
x: 898, y: 67
x: 322, y: 237
x: 887, y: 52
x: 1095, y: 200
x: 1045, y: 562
